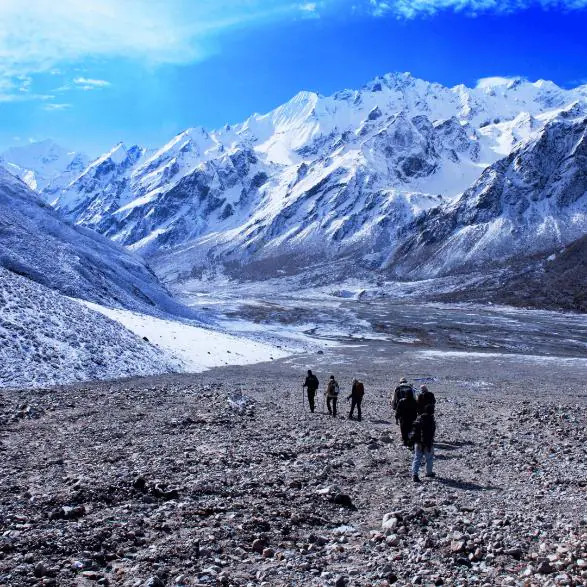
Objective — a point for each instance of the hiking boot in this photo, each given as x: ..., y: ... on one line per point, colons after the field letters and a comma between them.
x: 431, y: 475
x: 416, y: 479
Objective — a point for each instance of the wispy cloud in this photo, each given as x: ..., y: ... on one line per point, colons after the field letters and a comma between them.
x: 48, y: 36
x: 416, y: 8
x: 56, y: 107
x: 309, y: 7
x: 18, y: 89
x: 158, y: 31
x: 85, y: 83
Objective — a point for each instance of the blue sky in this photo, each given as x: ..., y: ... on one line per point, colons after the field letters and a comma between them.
x: 89, y: 74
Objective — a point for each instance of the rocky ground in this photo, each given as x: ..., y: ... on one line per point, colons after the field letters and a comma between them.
x: 224, y: 479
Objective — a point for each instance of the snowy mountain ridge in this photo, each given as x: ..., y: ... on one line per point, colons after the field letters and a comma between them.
x: 44, y: 165
x: 319, y: 177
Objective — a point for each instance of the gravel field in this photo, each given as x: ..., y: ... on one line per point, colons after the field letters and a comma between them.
x: 223, y: 478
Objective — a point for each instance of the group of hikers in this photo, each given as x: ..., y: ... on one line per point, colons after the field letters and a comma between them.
x: 414, y: 413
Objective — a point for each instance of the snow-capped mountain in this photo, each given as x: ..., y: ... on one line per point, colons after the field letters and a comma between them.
x: 534, y: 200
x: 319, y: 177
x: 44, y: 166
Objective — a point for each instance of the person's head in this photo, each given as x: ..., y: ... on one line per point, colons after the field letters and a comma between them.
x: 355, y: 380
x: 403, y: 380
x: 309, y: 371
x: 423, y: 388
x: 332, y: 377
x: 429, y: 409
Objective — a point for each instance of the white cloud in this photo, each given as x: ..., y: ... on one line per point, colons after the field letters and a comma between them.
x: 49, y: 36
x: 492, y: 82
x: 84, y: 83
x: 415, y: 8
x: 39, y: 35
x: 56, y: 107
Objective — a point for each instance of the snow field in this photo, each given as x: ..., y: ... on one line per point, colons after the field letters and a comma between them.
x: 194, y: 347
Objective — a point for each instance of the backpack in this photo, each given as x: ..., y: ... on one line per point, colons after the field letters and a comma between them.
x: 333, y: 388
x: 400, y: 394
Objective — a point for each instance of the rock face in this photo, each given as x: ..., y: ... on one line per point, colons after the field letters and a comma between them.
x: 344, y: 176
x: 165, y: 482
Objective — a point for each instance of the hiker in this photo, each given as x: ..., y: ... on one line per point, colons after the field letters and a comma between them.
x: 312, y: 384
x: 406, y: 413
x: 425, y: 398
x: 422, y: 436
x: 332, y: 390
x: 356, y: 397
x: 399, y: 394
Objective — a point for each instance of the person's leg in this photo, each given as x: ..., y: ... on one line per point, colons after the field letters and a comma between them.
x: 334, y: 402
x: 359, y: 409
x: 353, y: 403
x: 328, y: 400
x: 429, y: 454
x: 405, y: 430
x: 311, y: 399
x: 417, y: 459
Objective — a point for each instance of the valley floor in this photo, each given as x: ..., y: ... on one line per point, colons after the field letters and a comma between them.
x: 223, y: 478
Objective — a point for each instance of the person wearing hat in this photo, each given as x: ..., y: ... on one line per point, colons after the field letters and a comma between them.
x: 400, y: 393
x: 425, y: 398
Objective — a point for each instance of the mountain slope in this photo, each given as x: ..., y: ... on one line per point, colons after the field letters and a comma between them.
x: 37, y: 244
x: 48, y: 339
x: 533, y: 201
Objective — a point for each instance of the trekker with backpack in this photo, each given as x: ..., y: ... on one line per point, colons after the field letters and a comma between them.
x: 406, y: 413
x: 312, y: 384
x: 356, y: 397
x: 399, y: 394
x: 422, y: 436
x: 425, y: 398
x: 332, y: 390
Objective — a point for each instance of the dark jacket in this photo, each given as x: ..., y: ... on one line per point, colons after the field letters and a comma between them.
x: 423, y: 431
x: 358, y: 391
x: 311, y: 382
x: 407, y: 410
x: 424, y: 399
x: 399, y: 394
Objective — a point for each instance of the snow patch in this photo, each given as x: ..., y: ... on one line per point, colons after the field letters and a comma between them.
x: 195, y: 347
